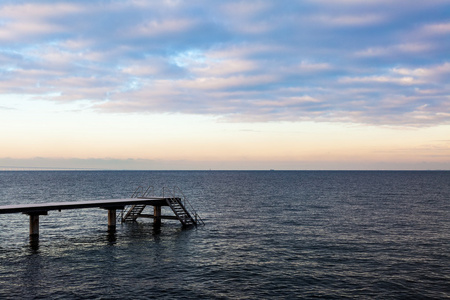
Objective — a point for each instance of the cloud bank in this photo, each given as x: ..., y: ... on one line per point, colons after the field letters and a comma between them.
x: 371, y: 62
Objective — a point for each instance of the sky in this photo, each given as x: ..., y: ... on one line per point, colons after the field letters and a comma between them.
x: 225, y: 85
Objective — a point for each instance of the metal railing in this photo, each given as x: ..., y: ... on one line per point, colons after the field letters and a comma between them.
x: 140, y: 192
x: 188, y: 206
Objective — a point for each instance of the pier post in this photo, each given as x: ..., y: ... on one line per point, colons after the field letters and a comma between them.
x: 34, y: 223
x: 157, y: 215
x: 112, y: 220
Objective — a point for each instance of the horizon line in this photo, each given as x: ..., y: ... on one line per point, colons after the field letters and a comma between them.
x: 15, y: 169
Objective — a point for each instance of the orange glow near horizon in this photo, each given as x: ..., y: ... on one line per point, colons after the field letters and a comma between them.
x: 87, y: 135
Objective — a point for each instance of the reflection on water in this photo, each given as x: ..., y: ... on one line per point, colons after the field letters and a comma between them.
x: 34, y: 244
x: 111, y: 238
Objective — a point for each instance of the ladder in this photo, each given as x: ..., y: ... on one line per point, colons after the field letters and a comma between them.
x: 181, y: 212
x: 134, y: 211
x: 180, y: 206
x: 183, y: 209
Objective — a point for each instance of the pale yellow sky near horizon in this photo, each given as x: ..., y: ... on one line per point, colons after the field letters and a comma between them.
x: 36, y: 128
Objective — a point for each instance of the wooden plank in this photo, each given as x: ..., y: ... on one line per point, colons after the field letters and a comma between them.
x: 105, y: 203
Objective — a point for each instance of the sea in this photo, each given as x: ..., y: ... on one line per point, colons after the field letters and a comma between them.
x: 267, y: 235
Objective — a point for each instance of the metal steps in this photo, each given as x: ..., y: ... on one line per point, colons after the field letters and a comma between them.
x: 180, y: 206
x: 181, y: 212
x: 133, y: 213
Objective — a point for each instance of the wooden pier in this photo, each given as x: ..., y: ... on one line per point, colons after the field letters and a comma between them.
x: 135, y: 206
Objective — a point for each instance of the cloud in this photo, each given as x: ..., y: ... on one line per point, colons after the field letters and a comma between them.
x: 405, y: 80
x: 29, y: 21
x: 397, y: 50
x: 349, y: 20
x: 432, y: 74
x: 435, y: 29
x: 375, y: 62
x: 157, y: 28
x: 427, y: 153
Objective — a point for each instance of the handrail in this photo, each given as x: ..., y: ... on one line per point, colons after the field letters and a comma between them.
x: 190, y: 208
x: 149, y: 191
x: 139, y: 192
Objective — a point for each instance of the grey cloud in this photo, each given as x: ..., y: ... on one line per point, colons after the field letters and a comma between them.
x: 146, y: 164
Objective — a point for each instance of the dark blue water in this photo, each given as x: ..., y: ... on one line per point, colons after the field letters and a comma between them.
x: 282, y: 235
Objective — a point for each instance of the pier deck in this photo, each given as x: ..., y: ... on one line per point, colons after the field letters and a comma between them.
x: 37, y: 209
x: 106, y: 204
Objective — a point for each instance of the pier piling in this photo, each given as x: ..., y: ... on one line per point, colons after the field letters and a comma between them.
x: 111, y: 220
x: 34, y: 223
x: 157, y: 215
